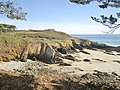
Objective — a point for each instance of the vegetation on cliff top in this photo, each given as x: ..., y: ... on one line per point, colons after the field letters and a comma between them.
x: 12, y: 43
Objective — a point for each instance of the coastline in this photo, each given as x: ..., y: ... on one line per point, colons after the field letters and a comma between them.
x: 96, y: 60
x: 112, y: 38
x: 54, y: 60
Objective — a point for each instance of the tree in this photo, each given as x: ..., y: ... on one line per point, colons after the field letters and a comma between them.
x: 111, y: 21
x: 8, y: 8
x: 11, y: 27
x: 7, y: 27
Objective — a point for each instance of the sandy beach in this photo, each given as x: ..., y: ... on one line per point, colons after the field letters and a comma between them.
x: 99, y: 61
x: 96, y: 60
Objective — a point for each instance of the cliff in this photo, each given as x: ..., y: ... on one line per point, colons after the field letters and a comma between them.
x: 43, y: 45
x: 77, y: 64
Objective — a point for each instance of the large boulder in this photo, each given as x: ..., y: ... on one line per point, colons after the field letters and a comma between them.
x: 48, y: 55
x: 41, y: 52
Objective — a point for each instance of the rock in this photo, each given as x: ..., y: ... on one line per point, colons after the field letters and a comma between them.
x: 67, y: 50
x: 24, y: 55
x: 65, y: 64
x: 32, y: 57
x: 76, y: 46
x: 62, y: 50
x: 116, y: 74
x: 88, y: 76
x: 110, y: 53
x: 86, y: 60
x: 86, y: 44
x: 118, y: 54
x: 72, y: 50
x: 96, y: 71
x: 116, y: 61
x: 104, y: 76
x: 58, y: 54
x: 41, y: 52
x: 105, y: 47
x: 31, y: 51
x: 99, y: 45
x: 70, y: 57
x: 48, y: 55
x: 58, y: 58
x: 99, y: 60
x: 99, y: 81
x: 85, y: 52
x: 51, y: 55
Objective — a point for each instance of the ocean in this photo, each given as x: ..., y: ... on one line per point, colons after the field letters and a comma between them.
x: 113, y: 39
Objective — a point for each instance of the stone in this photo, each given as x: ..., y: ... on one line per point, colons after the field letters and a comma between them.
x: 86, y: 60
x: 99, y: 60
x: 110, y: 53
x: 85, y: 52
x: 70, y: 57
x: 117, y: 61
x: 76, y: 46
x: 48, y: 54
x: 88, y: 76
x: 24, y: 55
x: 65, y: 64
x: 58, y: 58
x: 62, y: 50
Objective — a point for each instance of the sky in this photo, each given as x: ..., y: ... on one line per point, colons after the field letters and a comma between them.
x: 61, y: 15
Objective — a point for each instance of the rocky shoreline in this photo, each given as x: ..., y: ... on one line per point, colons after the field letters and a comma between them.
x: 72, y: 65
x: 80, y: 70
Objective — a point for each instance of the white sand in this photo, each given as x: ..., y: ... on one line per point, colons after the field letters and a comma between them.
x: 80, y: 67
x: 109, y: 66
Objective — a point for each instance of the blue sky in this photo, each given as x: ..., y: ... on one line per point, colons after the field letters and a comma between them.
x: 61, y: 15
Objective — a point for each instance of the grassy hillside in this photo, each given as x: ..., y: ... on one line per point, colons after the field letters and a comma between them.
x: 11, y: 43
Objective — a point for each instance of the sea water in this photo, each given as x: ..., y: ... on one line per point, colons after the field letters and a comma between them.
x: 113, y: 39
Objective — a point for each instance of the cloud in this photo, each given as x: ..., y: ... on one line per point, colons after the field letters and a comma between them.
x: 70, y: 28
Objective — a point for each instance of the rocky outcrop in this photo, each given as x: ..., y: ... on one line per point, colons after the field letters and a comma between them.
x: 70, y: 57
x: 96, y: 45
x: 48, y: 53
x: 95, y: 81
x: 62, y: 50
x: 66, y: 50
x: 41, y: 52
x: 55, y: 81
x: 105, y: 47
x: 76, y: 46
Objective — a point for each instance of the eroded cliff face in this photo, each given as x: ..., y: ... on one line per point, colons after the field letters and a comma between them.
x: 47, y: 46
x: 48, y: 53
x: 40, y: 51
x: 8, y: 52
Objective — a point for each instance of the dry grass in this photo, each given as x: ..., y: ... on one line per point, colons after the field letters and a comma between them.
x: 49, y: 34
x: 18, y: 40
